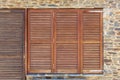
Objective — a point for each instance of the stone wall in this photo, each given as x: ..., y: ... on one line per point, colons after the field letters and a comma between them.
x: 111, y: 9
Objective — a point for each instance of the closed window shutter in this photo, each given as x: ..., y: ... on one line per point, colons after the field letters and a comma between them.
x: 91, y: 41
x: 66, y: 41
x: 11, y: 44
x: 40, y: 40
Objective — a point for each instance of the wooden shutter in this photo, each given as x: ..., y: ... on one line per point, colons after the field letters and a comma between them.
x: 66, y: 22
x: 11, y: 44
x: 40, y: 41
x: 91, y: 45
x: 65, y: 41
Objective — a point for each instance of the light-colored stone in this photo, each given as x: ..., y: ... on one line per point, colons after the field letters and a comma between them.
x: 111, y: 18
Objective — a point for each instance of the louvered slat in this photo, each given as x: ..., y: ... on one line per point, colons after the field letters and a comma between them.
x: 40, y: 35
x: 91, y: 42
x: 66, y: 41
x: 11, y: 44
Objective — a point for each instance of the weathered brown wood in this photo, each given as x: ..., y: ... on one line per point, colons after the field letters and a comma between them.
x: 74, y: 42
x: 54, y: 44
x: 12, y: 44
x: 81, y: 41
x: 26, y: 40
x: 92, y: 41
x: 28, y: 43
x: 40, y: 35
x: 101, y: 42
x: 66, y: 44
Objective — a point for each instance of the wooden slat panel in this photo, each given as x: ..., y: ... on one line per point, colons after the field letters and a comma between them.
x: 91, y: 45
x: 66, y: 32
x: 11, y: 44
x: 40, y: 41
x: 66, y: 41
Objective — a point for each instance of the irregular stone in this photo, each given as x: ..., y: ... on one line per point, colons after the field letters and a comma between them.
x: 118, y: 5
x: 111, y: 17
x: 118, y: 37
x: 52, y: 5
x: 111, y: 33
x: 111, y: 13
x: 116, y: 24
x: 112, y: 52
x: 118, y: 33
x: 60, y: 77
x: 107, y: 60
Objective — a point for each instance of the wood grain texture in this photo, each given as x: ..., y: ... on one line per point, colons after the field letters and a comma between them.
x: 91, y: 46
x: 65, y: 41
x: 11, y: 45
x: 40, y: 40
x: 66, y: 34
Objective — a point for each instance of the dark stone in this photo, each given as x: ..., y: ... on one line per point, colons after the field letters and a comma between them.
x: 118, y: 37
x: 111, y: 13
x: 77, y: 77
x: 117, y: 24
x: 115, y: 72
x: 48, y: 77
x: 116, y: 49
x: 118, y: 33
x: 108, y: 49
x: 112, y: 52
x: 43, y: 4
x: 117, y: 40
x: 107, y: 60
x: 52, y: 5
x: 115, y: 79
x: 108, y: 63
x: 119, y: 69
x: 117, y: 28
x: 36, y: 78
x: 60, y: 77
x: 110, y: 1
x: 111, y: 33
x: 119, y: 5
